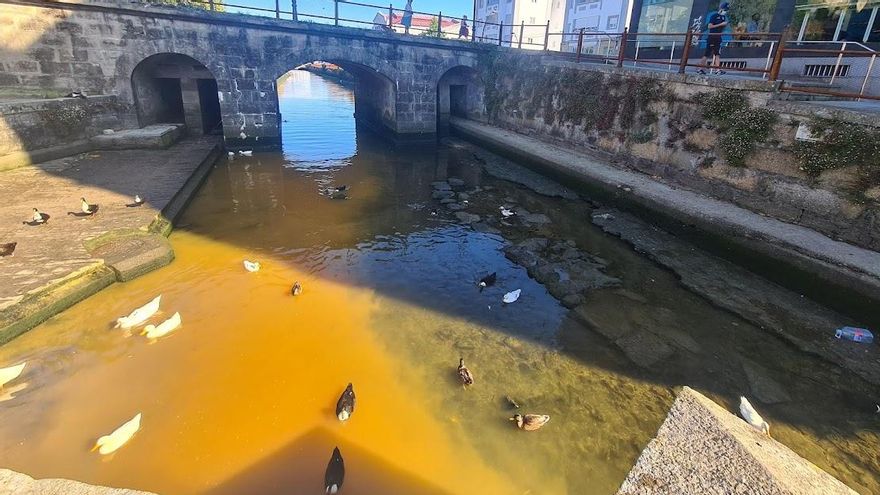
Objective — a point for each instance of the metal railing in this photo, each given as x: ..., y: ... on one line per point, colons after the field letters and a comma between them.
x: 675, y: 51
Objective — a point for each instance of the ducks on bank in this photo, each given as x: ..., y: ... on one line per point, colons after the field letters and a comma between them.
x: 140, y: 315
x: 38, y: 218
x: 86, y: 209
x: 752, y: 417
x: 108, y: 444
x: 164, y: 328
x: 136, y: 202
x: 345, y: 404
x: 7, y: 249
x: 464, y: 374
x: 335, y: 473
x: 297, y: 289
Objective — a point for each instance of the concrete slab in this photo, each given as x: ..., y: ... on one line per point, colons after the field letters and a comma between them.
x: 158, y: 136
x: 71, y: 257
x: 839, y: 263
x: 702, y: 449
x: 12, y: 483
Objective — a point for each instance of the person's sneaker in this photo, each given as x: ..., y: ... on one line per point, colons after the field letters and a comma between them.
x: 720, y: 72
x: 701, y: 71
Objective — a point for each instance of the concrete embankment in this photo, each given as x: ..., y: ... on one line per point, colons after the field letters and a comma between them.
x: 72, y: 256
x: 12, y: 483
x: 848, y: 269
x: 703, y: 449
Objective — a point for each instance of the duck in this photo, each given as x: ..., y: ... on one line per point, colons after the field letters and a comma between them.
x: 76, y: 94
x: 138, y: 201
x: 335, y: 474
x: 246, y: 153
x: 11, y: 373
x: 511, y: 296
x: 38, y: 218
x: 252, y: 266
x: 464, y: 373
x: 488, y: 280
x: 87, y: 208
x: 7, y: 249
x: 337, y: 193
x: 297, y: 289
x: 506, y: 213
x: 752, y: 417
x: 345, y: 404
x: 163, y: 329
x: 341, y: 188
x: 108, y: 444
x: 139, y: 315
x: 530, y: 422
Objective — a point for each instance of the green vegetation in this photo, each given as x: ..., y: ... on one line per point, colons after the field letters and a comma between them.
x: 196, y: 4
x: 64, y: 120
x: 433, y: 30
x: 740, y: 127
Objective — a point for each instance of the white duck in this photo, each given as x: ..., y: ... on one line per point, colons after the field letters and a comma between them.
x: 139, y: 315
x: 752, y: 417
x: 252, y: 266
x: 164, y: 328
x: 511, y: 296
x: 506, y: 213
x: 246, y: 153
x: 114, y: 441
x: 10, y: 373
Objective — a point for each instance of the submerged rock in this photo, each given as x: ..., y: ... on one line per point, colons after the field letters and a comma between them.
x: 455, y: 182
x: 446, y: 201
x: 442, y: 194
x: 644, y: 348
x: 465, y: 217
x: 441, y: 186
x: 764, y: 388
x: 456, y: 206
x: 537, y: 218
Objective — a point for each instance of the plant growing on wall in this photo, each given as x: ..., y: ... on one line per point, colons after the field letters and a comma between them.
x: 64, y: 120
x: 741, y: 127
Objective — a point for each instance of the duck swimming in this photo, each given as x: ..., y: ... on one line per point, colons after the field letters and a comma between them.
x: 164, y: 328
x: 464, y: 374
x: 252, y: 266
x: 38, y: 218
x: 8, y: 249
x: 139, y: 315
x: 335, y: 474
x: 297, y: 289
x: 530, y: 422
x: 345, y: 404
x: 752, y: 417
x: 488, y: 280
x: 111, y: 443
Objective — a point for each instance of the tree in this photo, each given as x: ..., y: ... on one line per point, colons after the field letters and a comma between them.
x: 433, y: 29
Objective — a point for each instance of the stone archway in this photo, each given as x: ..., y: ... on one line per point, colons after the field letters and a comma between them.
x: 176, y: 88
x: 460, y: 93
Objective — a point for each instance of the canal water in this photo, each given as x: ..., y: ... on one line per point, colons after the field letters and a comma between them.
x: 241, y: 398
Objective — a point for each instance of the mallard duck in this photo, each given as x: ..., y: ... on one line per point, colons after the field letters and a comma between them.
x: 87, y: 208
x: 111, y: 443
x: 246, y: 153
x: 345, y: 404
x: 752, y: 417
x: 464, y: 373
x: 511, y: 296
x: 10, y: 373
x: 38, y: 218
x: 138, y: 201
x: 530, y: 422
x: 163, y: 329
x: 297, y: 289
x: 8, y: 249
x: 139, y: 315
x: 488, y: 280
x: 252, y: 266
x: 341, y: 188
x: 335, y: 474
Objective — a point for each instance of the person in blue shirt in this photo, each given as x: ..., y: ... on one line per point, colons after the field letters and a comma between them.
x: 716, y: 25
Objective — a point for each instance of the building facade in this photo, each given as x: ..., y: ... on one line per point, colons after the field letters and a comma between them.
x: 521, y: 23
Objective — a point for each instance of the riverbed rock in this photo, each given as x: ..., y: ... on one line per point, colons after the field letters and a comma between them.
x: 644, y: 348
x: 536, y: 218
x: 464, y: 196
x: 455, y: 182
x: 446, y: 201
x: 485, y: 228
x: 456, y: 206
x: 534, y: 244
x: 465, y: 217
x: 442, y: 194
x: 441, y: 186
x: 763, y: 388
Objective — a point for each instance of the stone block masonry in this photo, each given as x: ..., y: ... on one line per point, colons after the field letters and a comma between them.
x: 96, y: 46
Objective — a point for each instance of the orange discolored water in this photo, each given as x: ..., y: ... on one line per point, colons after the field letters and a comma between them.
x: 241, y: 398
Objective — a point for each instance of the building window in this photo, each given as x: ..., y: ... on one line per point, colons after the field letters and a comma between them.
x: 531, y: 20
x: 613, y: 21
x: 595, y: 5
x: 667, y: 17
x: 589, y: 23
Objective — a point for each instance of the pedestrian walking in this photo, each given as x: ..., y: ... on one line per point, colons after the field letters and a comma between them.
x: 407, y: 16
x: 463, y: 30
x: 717, y: 23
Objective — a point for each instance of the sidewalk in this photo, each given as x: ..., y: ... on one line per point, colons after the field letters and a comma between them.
x: 69, y: 258
x: 834, y: 262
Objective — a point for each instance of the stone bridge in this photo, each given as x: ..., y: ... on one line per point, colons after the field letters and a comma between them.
x: 214, y: 70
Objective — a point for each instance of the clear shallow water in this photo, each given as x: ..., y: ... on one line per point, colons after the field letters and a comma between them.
x: 241, y: 398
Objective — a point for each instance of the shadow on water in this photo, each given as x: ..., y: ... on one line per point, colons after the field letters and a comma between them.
x: 606, y: 402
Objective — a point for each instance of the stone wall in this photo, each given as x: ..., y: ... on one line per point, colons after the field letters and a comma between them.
x: 95, y: 47
x: 729, y: 139
x: 27, y: 125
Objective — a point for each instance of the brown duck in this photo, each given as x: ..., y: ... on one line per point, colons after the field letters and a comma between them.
x: 530, y: 422
x: 464, y: 373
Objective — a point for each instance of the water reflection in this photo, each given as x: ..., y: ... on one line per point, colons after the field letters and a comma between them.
x: 240, y: 399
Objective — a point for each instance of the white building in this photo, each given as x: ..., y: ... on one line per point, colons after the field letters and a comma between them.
x: 524, y: 22
x: 595, y: 17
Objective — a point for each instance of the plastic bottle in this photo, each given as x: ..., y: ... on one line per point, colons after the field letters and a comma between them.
x: 855, y: 334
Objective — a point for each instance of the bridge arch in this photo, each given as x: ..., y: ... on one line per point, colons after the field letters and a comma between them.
x: 172, y: 87
x: 460, y: 93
